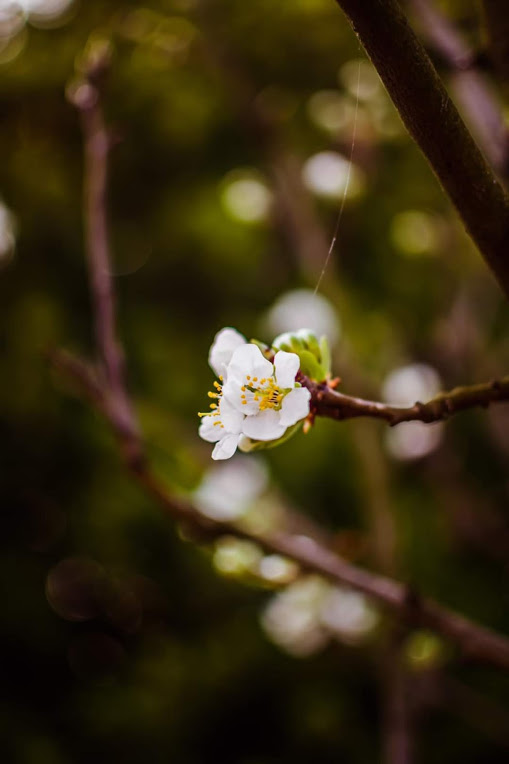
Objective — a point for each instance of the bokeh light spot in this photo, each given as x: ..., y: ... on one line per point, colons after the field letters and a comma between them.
x: 415, y: 233
x: 360, y: 78
x: 303, y: 308
x: 408, y: 384
x: 330, y: 175
x: 246, y: 199
x: 413, y: 440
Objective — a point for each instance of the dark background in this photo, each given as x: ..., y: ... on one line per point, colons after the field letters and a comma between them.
x: 119, y: 640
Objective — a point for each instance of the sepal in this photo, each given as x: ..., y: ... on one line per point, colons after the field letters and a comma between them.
x: 248, y: 444
x: 314, y: 354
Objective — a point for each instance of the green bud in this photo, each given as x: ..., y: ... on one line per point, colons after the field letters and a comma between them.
x: 314, y: 354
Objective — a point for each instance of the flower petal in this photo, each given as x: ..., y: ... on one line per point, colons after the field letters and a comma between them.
x: 225, y: 343
x: 264, y: 426
x: 230, y: 417
x: 209, y: 430
x: 226, y: 447
x: 233, y: 394
x: 295, y: 406
x: 247, y: 360
x: 287, y: 366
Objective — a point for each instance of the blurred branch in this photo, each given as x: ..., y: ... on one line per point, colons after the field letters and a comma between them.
x: 397, y: 712
x: 433, y: 121
x: 497, y: 27
x: 85, y: 96
x: 329, y: 403
x: 400, y: 701
x: 476, y: 641
x: 104, y: 385
x: 480, y: 104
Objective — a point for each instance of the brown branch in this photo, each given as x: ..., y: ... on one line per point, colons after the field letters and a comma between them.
x: 474, y: 640
x: 396, y: 681
x: 329, y: 403
x: 433, y: 121
x: 105, y: 387
x: 85, y: 96
x: 399, y: 718
x: 478, y: 100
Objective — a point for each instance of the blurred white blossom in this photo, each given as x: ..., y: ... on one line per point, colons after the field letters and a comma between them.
x: 404, y: 387
x: 235, y: 557
x: 246, y: 198
x: 330, y: 175
x: 413, y: 440
x: 408, y: 384
x: 277, y: 570
x: 302, y: 307
x: 348, y: 614
x: 229, y: 489
x: 310, y: 612
x: 291, y: 618
x: 15, y: 12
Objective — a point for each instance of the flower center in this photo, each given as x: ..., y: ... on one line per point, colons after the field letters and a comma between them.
x: 217, y: 394
x: 264, y: 391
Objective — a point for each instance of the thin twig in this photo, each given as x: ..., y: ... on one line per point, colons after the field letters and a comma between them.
x: 433, y: 120
x: 85, y: 96
x: 329, y: 403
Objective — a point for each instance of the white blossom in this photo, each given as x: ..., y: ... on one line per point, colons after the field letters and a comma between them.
x: 222, y: 426
x: 221, y: 351
x: 254, y: 398
x: 265, y: 392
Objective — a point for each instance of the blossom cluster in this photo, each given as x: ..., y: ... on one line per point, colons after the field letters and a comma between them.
x: 254, y: 400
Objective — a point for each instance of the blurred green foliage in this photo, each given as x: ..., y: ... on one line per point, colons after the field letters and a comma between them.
x: 165, y: 659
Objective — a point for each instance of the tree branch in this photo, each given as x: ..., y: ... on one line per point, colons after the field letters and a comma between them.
x: 104, y: 386
x: 85, y: 96
x: 432, y: 119
x: 475, y: 641
x: 329, y: 403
